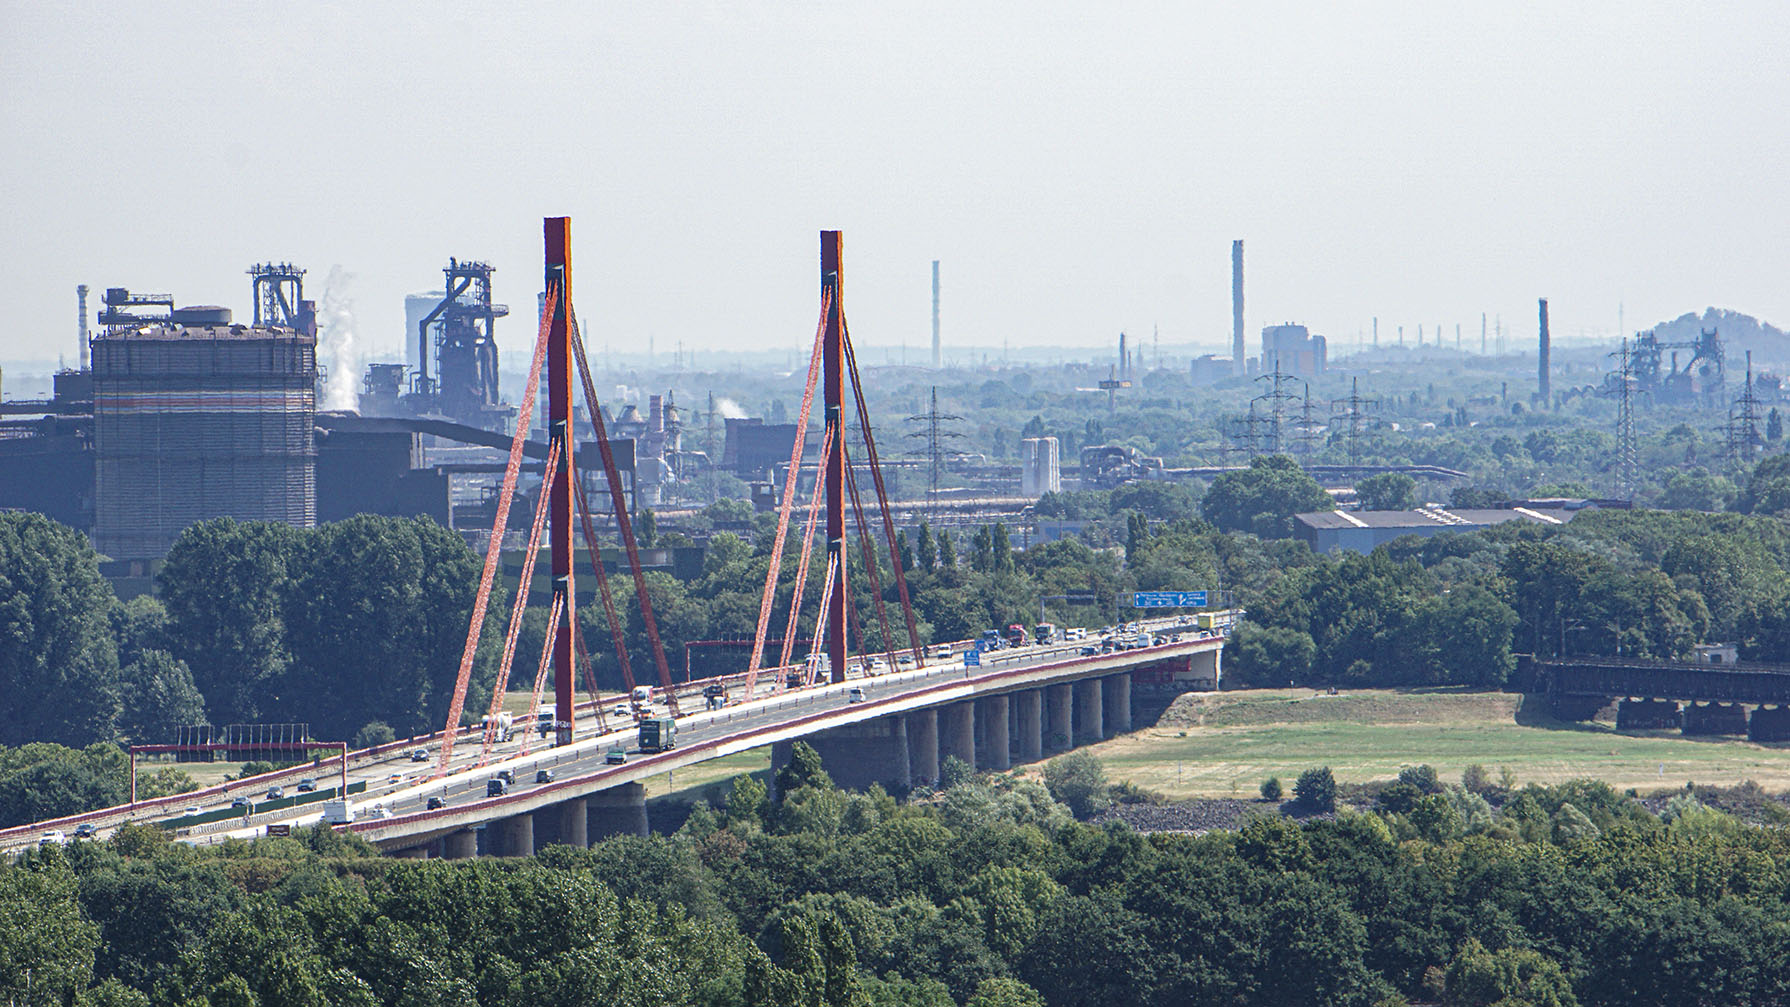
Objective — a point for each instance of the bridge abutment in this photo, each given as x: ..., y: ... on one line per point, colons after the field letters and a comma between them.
x: 1089, y: 720
x: 1028, y: 711
x: 1115, y: 702
x: 923, y: 746
x: 1060, y: 734
x: 996, y: 751
x: 957, y: 732
x: 618, y: 811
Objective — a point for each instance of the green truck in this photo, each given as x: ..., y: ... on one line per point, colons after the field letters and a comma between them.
x: 657, y: 734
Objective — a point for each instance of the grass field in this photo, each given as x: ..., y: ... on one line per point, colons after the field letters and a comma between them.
x: 1225, y: 744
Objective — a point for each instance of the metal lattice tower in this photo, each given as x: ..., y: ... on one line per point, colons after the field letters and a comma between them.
x: 1307, y: 426
x: 1744, y: 440
x: 1627, y: 459
x: 933, y: 432
x: 1277, y: 396
x: 1354, y: 411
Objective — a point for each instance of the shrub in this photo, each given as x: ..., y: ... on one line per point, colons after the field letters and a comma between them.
x: 954, y: 772
x: 1316, y: 789
x: 1271, y: 789
x: 1078, y: 780
x: 377, y: 732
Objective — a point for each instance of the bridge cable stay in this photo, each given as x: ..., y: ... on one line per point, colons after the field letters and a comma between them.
x: 801, y: 581
x: 624, y: 523
x: 534, y: 704
x: 494, y: 547
x: 596, y: 561
x: 812, y: 665
x: 590, y: 678
x: 882, y: 494
x: 867, y: 547
x: 790, y: 478
x: 530, y: 559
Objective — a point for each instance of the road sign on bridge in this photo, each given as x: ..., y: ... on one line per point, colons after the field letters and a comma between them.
x: 1168, y: 599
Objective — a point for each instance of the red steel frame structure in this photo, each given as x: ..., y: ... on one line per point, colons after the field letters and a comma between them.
x: 558, y: 235
x: 832, y: 369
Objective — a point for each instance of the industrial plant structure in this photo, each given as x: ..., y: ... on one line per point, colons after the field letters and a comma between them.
x: 196, y: 417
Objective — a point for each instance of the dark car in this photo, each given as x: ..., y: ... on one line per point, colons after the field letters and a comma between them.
x: 241, y: 802
x: 615, y: 757
x: 1090, y: 650
x: 85, y: 830
x: 508, y: 776
x: 543, y: 776
x: 307, y: 785
x: 496, y: 787
x: 437, y: 803
x: 275, y: 793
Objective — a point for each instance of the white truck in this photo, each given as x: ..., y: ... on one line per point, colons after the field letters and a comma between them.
x: 642, y: 701
x: 337, y: 812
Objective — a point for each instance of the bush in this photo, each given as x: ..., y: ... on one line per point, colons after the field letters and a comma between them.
x: 376, y: 733
x: 1424, y: 778
x: 1271, y: 789
x: 1316, y: 789
x: 1078, y: 780
x: 1475, y: 780
x: 954, y: 772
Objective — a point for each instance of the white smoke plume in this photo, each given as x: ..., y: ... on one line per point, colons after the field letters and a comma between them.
x: 336, y: 344
x: 729, y: 409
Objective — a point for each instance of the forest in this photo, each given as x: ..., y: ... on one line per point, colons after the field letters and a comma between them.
x: 986, y: 894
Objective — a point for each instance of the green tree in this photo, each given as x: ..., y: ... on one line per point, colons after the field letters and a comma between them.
x: 1268, y: 655
x: 1387, y: 491
x: 46, y: 945
x: 1767, y: 488
x: 1264, y: 497
x: 1079, y: 781
x: 44, y: 780
x: 747, y: 800
x: 372, y: 733
x: 928, y: 550
x: 1271, y: 789
x: 1316, y: 789
x: 802, y: 770
x: 646, y: 528
x: 157, y: 695
x: 947, y: 551
x: 1508, y: 977
x: 225, y: 586
x: 58, y: 660
x: 1004, y: 993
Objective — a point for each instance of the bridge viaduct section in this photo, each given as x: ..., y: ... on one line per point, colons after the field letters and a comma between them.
x: 992, y: 723
x: 1695, y: 698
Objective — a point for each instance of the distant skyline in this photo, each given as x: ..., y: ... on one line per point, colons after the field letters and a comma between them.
x: 1078, y: 169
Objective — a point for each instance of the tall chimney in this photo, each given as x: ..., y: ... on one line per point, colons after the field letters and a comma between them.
x: 1124, y: 360
x: 937, y: 361
x: 1237, y: 306
x: 1376, y: 332
x: 1543, y: 392
x: 81, y: 296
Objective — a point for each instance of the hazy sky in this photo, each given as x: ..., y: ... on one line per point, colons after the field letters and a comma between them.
x: 1079, y: 168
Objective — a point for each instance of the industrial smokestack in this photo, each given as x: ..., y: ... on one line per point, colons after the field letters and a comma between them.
x: 1237, y: 306
x: 1543, y: 393
x: 937, y: 361
x: 1124, y: 359
x: 81, y: 297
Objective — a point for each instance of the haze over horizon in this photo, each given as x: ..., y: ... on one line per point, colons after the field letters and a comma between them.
x: 1077, y: 172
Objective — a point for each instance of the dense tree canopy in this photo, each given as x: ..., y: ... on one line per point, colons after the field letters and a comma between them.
x: 1264, y: 497
x: 58, y: 658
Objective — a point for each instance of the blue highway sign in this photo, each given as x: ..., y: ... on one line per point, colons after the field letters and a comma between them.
x: 1168, y: 599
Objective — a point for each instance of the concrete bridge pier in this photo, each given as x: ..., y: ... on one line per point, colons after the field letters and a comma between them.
x: 1715, y: 718
x: 1059, y: 733
x: 1089, y: 720
x: 1769, y: 724
x: 997, y: 745
x: 515, y: 835
x: 857, y: 755
x: 1115, y: 701
x: 1647, y: 714
x: 618, y: 811
x: 957, y: 732
x: 574, y: 822
x: 462, y: 845
x: 923, y: 746
x: 1028, y: 711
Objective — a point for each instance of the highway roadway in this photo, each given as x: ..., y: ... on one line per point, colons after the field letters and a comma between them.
x: 397, y: 786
